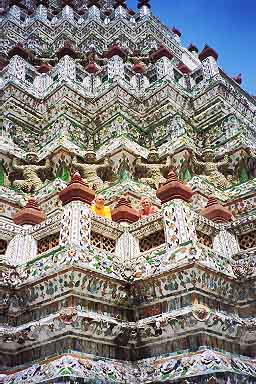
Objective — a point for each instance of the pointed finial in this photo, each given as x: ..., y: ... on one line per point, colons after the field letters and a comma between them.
x: 216, y: 212
x: 193, y: 48
x: 44, y: 68
x: 208, y: 52
x: 77, y: 190
x: 115, y: 50
x: 76, y: 178
x: 176, y: 32
x: 18, y: 50
x: 124, y: 212
x: 120, y: 3
x: 238, y: 79
x: 31, y: 214
x: 67, y: 49
x: 144, y: 3
x: 92, y: 3
x: 173, y: 189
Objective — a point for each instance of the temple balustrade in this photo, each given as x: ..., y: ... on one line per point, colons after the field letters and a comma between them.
x: 70, y: 71
x: 154, y: 243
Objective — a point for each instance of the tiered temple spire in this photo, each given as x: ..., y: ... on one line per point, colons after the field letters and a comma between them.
x: 127, y: 188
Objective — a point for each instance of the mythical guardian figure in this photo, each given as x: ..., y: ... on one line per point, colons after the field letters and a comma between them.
x: 89, y: 169
x: 153, y: 169
x: 211, y: 167
x: 30, y: 172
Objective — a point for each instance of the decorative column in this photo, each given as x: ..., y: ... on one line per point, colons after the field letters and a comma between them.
x: 162, y: 58
x: 177, y: 34
x: 92, y: 82
x: 43, y: 81
x: 164, y: 68
x: 209, y: 58
x: 67, y: 68
x: 67, y: 65
x: 23, y: 247
x: 121, y: 8
x: 127, y: 247
x: 178, y: 217
x: 76, y: 222
x: 41, y: 12
x: 15, y: 11
x: 224, y: 242
x: 139, y: 81
x: 93, y: 9
x: 144, y: 8
x: 17, y: 64
x: 68, y: 13
x: 107, y: 14
x: 115, y: 68
x: 131, y: 15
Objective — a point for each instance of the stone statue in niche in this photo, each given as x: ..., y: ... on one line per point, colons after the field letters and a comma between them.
x: 211, y: 167
x: 31, y: 173
x: 89, y: 169
x: 153, y: 168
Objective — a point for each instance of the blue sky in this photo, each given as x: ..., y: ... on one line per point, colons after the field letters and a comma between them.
x: 229, y: 26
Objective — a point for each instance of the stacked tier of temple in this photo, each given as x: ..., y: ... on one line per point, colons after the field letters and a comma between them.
x: 127, y: 201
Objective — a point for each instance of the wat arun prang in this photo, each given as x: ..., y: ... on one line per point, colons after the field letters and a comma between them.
x: 101, y: 100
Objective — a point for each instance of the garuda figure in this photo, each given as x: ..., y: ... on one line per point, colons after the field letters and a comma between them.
x: 31, y: 173
x: 153, y: 168
x: 211, y: 167
x: 89, y: 169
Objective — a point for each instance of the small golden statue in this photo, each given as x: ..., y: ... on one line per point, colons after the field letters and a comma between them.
x: 30, y: 173
x: 153, y: 168
x: 89, y: 169
x: 211, y: 168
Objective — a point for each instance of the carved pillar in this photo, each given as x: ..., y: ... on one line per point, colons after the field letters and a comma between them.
x: 21, y: 249
x: 67, y: 68
x: 68, y: 13
x: 120, y: 12
x: 179, y: 225
x: 127, y: 247
x: 76, y: 221
x: 210, y: 67
x: 14, y: 11
x: 226, y: 243
x: 93, y: 12
x: 41, y: 12
x: 139, y: 82
x: 17, y: 68
x: 144, y: 11
x: 42, y: 82
x: 164, y: 68
x: 115, y: 67
x: 91, y: 84
x: 76, y: 225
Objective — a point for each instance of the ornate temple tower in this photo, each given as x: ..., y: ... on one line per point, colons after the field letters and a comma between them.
x: 102, y: 102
